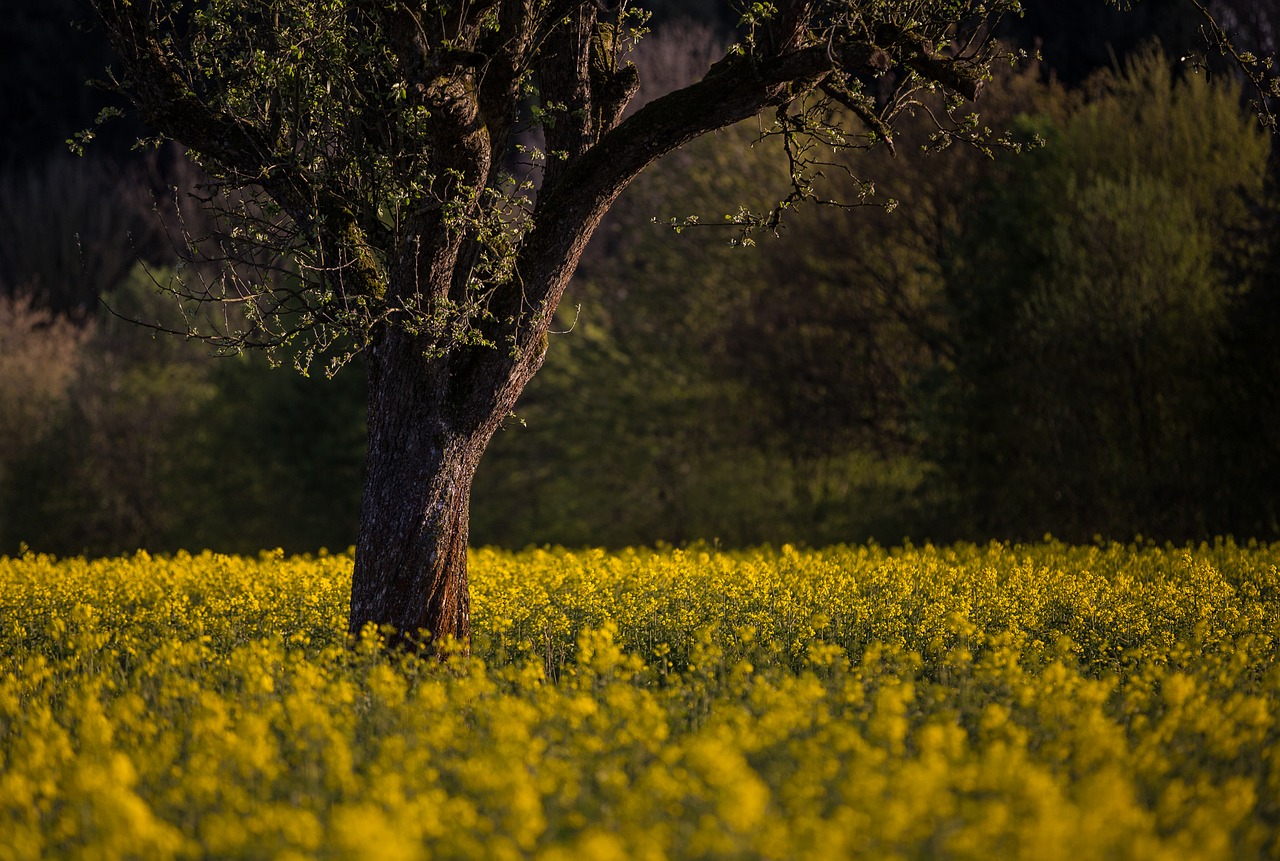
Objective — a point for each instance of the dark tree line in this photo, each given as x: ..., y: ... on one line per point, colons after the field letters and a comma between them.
x: 1066, y: 341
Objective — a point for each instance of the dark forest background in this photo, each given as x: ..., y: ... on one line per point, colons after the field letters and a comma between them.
x: 1079, y: 341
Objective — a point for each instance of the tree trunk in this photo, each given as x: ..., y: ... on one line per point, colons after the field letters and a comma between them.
x: 411, y: 550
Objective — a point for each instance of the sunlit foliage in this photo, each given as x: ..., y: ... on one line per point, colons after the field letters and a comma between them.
x: 1038, y: 701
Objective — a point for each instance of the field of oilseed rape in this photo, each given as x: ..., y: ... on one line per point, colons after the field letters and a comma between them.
x: 974, y: 702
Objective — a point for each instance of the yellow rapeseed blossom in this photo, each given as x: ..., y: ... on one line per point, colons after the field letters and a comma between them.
x: 966, y: 702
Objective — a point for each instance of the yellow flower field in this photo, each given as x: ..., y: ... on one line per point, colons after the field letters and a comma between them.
x: 974, y: 702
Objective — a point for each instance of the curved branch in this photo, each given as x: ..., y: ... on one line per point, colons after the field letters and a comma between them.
x: 575, y: 199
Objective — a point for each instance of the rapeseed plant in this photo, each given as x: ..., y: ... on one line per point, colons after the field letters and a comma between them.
x: 1037, y: 701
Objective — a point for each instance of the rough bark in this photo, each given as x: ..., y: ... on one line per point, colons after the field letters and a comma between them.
x: 411, y: 555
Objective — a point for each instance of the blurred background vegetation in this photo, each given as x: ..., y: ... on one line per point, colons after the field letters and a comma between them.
x: 1079, y: 341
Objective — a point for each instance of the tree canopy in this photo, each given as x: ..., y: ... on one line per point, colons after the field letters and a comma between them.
x: 382, y: 139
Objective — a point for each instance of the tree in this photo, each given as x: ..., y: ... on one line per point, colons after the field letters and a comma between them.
x: 379, y: 194
x: 1092, y: 309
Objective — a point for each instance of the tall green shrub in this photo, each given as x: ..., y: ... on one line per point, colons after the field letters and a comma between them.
x: 1092, y: 306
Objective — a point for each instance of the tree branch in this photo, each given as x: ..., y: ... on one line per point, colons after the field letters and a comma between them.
x: 565, y: 81
x: 573, y: 200
x: 861, y: 107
